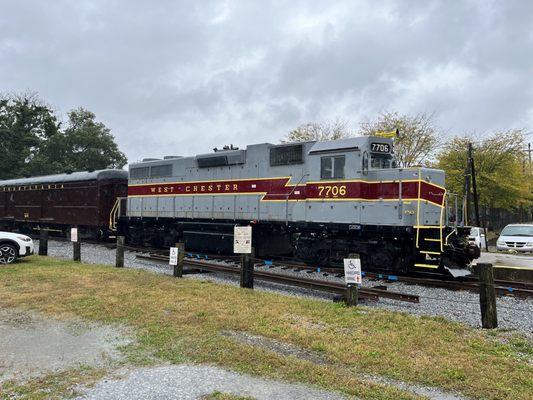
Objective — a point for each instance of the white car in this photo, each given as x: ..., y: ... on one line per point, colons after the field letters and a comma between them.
x: 518, y: 237
x: 13, y: 246
x: 477, y: 237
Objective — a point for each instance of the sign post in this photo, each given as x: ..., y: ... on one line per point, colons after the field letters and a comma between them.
x: 242, y: 244
x: 76, y: 245
x: 242, y: 240
x: 353, y: 278
x: 177, y: 254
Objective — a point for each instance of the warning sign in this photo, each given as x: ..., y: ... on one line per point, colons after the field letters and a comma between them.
x: 73, y: 234
x: 352, y: 271
x: 242, y: 240
x: 173, y: 259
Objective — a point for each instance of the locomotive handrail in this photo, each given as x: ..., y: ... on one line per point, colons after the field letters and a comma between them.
x: 113, y: 214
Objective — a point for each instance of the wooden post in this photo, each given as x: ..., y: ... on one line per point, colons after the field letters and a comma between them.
x: 352, y: 295
x: 247, y: 270
x: 178, y: 269
x: 487, y: 296
x: 119, y: 261
x: 76, y: 247
x: 43, y: 242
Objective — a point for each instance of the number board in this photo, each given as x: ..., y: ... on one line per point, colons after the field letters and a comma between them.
x: 380, y: 147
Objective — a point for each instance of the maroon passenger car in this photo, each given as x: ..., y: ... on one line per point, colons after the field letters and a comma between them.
x: 59, y: 202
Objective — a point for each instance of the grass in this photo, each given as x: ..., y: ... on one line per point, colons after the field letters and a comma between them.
x: 181, y: 320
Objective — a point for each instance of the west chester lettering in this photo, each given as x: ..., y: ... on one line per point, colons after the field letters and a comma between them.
x: 212, y: 188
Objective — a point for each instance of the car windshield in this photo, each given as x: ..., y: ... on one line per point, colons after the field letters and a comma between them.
x: 518, y: 230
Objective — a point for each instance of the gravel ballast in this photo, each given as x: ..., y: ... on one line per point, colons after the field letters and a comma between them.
x: 460, y: 306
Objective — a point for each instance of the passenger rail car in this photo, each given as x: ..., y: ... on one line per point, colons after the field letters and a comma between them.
x: 59, y: 202
x: 319, y: 201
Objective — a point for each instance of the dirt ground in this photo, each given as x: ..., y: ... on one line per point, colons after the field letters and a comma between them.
x: 32, y: 345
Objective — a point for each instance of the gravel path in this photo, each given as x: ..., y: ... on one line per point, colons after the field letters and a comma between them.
x: 191, y: 382
x: 461, y: 306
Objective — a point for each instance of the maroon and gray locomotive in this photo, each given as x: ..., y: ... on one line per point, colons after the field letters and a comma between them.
x: 318, y: 201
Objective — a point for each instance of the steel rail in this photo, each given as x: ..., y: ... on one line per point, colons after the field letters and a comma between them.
x: 315, y: 284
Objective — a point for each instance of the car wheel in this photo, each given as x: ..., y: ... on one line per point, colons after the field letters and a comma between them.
x: 8, y: 254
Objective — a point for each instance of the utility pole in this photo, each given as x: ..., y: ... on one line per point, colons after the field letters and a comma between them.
x: 472, y: 168
x: 529, y: 153
x: 466, y: 206
x: 474, y: 186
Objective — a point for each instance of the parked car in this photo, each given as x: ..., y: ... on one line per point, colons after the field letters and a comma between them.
x: 13, y: 246
x: 477, y: 237
x: 518, y: 237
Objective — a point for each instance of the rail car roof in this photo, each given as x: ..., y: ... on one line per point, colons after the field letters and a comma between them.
x: 73, y: 177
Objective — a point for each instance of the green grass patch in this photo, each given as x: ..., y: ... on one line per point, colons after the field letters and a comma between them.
x: 181, y: 320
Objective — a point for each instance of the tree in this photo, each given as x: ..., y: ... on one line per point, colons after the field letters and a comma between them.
x: 418, y: 140
x: 32, y: 142
x: 317, y: 132
x: 502, y: 180
x: 25, y: 124
x: 88, y: 144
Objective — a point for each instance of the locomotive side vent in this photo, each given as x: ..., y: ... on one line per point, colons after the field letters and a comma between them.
x: 221, y: 158
x: 286, y: 155
x: 139, y: 172
x: 206, y: 162
x: 161, y: 171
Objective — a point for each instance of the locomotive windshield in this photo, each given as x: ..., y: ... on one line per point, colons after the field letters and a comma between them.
x: 382, y: 161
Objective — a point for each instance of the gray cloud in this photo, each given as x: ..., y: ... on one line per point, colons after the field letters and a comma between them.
x: 173, y: 77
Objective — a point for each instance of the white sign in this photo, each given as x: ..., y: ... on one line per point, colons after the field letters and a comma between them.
x: 173, y: 259
x: 73, y: 234
x: 242, y: 240
x: 352, y: 271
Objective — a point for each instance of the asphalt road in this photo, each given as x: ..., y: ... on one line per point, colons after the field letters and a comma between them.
x: 513, y: 260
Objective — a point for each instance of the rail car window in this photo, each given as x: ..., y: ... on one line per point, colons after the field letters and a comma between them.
x: 139, y: 172
x: 332, y: 167
x: 286, y: 155
x: 161, y: 171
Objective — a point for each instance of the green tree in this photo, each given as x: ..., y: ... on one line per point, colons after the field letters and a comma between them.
x: 32, y: 142
x: 418, y: 140
x: 317, y: 131
x: 85, y: 144
x: 502, y: 179
x: 25, y: 124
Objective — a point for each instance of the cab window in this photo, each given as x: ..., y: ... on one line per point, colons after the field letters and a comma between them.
x: 332, y: 167
x: 382, y: 162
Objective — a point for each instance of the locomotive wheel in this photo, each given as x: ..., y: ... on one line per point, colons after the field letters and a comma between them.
x: 8, y: 254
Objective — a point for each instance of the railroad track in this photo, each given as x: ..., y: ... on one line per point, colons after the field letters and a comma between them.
x: 503, y: 288
x: 309, y: 283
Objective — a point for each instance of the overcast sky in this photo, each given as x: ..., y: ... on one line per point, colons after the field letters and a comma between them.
x: 181, y: 77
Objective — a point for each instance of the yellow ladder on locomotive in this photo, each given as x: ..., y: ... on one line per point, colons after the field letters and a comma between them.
x: 429, y: 239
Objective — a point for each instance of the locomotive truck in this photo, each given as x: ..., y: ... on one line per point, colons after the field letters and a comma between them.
x: 318, y: 201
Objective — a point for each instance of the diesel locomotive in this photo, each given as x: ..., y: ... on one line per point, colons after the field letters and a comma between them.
x: 317, y: 201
